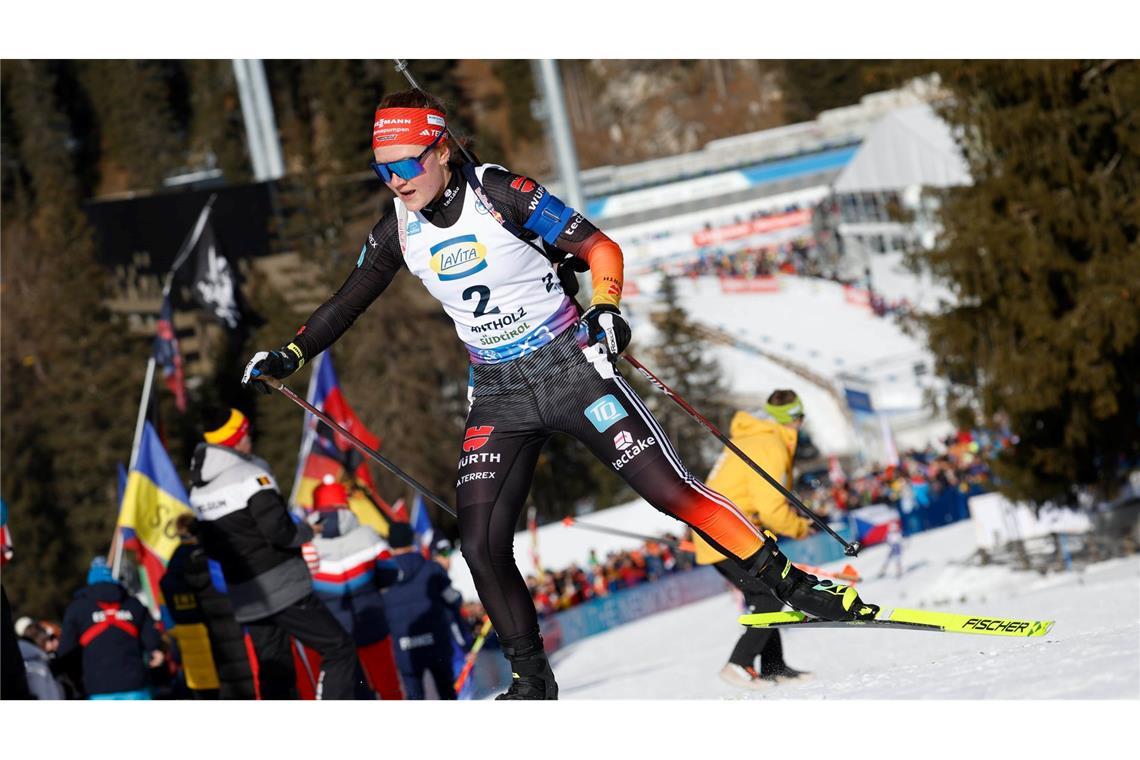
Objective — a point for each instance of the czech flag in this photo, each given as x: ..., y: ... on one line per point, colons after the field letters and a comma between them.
x: 153, y: 499
x: 324, y: 452
x: 874, y: 522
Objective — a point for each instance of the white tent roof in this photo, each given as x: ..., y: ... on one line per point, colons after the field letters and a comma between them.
x: 911, y: 146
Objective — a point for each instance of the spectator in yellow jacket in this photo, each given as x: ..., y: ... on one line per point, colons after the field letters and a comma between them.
x: 769, y: 438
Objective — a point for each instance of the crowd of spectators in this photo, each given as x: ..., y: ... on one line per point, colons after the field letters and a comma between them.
x: 554, y: 591
x: 800, y: 257
x: 786, y: 258
x: 963, y: 464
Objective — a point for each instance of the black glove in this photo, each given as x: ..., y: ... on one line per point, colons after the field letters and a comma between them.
x: 604, y: 324
x: 568, y: 270
x: 279, y: 364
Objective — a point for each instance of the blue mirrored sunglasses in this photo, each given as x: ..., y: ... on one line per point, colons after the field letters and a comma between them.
x: 405, y: 168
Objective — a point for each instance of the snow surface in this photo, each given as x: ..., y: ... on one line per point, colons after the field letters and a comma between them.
x: 1093, y: 651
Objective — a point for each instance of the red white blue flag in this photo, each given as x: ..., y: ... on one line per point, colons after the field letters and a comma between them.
x: 167, y: 355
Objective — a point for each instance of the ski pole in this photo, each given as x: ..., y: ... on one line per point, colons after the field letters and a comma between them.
x: 473, y: 654
x: 685, y: 546
x: 848, y: 573
x: 402, y: 67
x: 358, y: 444
x: 851, y: 550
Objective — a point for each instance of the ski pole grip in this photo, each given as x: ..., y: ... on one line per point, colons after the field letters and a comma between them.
x: 271, y: 381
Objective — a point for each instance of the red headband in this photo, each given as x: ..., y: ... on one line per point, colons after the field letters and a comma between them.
x: 406, y: 126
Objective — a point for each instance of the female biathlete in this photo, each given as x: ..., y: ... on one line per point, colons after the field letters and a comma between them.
x: 537, y: 366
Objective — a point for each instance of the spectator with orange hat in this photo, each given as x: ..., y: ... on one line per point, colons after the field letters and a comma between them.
x: 350, y: 565
x: 245, y: 527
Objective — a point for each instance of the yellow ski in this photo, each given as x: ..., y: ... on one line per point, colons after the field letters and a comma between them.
x: 921, y: 620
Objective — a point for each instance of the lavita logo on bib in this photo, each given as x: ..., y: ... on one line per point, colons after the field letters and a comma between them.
x: 458, y: 257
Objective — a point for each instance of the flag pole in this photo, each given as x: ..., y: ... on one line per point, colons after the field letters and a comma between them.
x: 148, y: 382
x: 140, y: 421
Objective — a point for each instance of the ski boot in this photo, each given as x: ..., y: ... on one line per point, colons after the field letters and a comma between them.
x: 822, y: 599
x: 531, y: 676
x: 773, y: 669
x: 785, y: 674
x: 743, y: 677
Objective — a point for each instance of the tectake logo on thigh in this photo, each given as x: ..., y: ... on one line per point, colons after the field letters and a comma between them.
x: 458, y: 257
x: 630, y: 448
x: 604, y: 412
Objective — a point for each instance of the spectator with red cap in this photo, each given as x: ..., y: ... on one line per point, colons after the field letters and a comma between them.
x: 350, y: 565
x: 245, y: 527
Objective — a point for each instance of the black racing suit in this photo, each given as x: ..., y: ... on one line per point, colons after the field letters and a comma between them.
x: 518, y: 404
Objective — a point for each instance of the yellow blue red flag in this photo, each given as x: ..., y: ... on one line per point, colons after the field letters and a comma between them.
x: 153, y: 499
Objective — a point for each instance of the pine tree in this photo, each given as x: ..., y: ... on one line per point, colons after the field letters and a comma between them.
x: 681, y: 362
x: 1043, y: 256
x: 139, y: 136
x: 71, y: 373
x: 812, y: 86
x: 216, y: 127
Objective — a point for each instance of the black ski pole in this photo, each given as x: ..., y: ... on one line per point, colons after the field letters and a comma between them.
x: 851, y: 550
x: 847, y: 574
x: 570, y: 522
x: 402, y: 67
x: 358, y: 444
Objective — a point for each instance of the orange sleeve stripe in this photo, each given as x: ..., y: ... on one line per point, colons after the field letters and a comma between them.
x: 606, y: 271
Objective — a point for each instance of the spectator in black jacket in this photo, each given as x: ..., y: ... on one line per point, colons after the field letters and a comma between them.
x: 423, y: 611
x: 13, y: 679
x: 112, y: 635
x: 244, y: 525
x: 204, y: 622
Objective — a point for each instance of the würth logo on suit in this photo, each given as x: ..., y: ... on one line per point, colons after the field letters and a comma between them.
x: 476, y: 436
